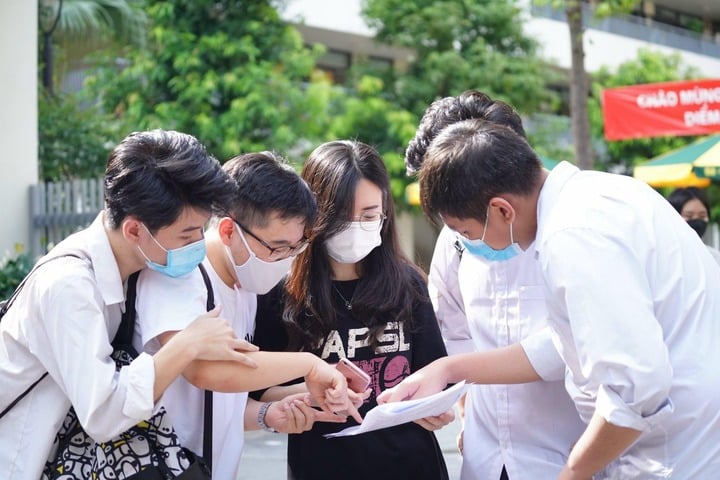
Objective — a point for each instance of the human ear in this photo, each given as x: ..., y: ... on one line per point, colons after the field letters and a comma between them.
x: 504, y: 208
x: 226, y: 230
x: 130, y: 228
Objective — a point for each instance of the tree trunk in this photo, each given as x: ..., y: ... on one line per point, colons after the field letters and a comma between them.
x: 579, y: 87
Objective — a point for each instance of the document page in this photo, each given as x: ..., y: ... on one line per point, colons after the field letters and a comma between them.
x: 396, y: 413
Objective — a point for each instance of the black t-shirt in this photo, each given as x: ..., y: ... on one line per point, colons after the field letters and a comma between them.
x: 407, y: 451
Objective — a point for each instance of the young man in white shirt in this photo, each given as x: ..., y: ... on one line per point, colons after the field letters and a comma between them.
x: 159, y: 189
x: 630, y: 292
x: 250, y: 246
x: 488, y: 301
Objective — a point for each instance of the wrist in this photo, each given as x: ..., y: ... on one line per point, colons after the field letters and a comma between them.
x: 262, y: 417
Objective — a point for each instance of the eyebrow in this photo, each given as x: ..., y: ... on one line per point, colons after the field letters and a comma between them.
x: 191, y: 229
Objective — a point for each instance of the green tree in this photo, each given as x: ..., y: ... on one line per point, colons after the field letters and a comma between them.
x: 73, y: 141
x: 579, y: 81
x: 461, y: 44
x: 648, y: 67
x: 362, y: 113
x: 86, y: 21
x: 230, y: 72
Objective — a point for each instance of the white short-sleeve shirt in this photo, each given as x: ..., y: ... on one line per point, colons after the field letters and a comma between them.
x: 166, y: 304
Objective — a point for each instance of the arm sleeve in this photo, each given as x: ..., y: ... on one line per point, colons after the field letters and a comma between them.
x: 605, y: 313
x: 166, y: 304
x: 73, y: 344
x: 543, y: 355
x: 444, y: 291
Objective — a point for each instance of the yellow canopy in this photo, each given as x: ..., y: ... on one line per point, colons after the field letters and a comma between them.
x: 694, y: 165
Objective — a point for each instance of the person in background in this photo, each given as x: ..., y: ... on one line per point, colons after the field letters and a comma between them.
x: 250, y: 246
x: 693, y: 205
x: 160, y: 187
x: 483, y: 301
x: 353, y: 294
x: 631, y: 300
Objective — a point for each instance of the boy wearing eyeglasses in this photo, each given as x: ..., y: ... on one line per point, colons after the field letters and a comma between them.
x: 249, y: 250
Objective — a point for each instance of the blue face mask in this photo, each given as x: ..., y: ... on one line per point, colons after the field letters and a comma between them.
x: 479, y: 248
x: 180, y: 261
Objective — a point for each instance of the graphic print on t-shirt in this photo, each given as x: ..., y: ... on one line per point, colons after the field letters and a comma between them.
x: 387, y: 367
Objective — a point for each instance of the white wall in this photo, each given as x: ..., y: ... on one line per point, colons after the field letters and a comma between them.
x: 18, y: 119
x: 605, y: 49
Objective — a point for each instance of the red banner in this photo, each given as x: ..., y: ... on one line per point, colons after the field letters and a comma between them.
x: 661, y: 109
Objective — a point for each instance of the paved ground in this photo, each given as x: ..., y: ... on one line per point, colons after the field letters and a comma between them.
x: 264, y: 454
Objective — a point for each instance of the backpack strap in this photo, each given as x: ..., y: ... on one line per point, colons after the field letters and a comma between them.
x: 6, y: 306
x: 208, y: 417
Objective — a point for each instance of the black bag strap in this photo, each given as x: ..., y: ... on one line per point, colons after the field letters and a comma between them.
x: 6, y: 306
x: 208, y: 419
x: 124, y: 337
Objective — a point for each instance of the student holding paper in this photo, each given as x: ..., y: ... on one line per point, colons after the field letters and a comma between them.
x: 353, y: 294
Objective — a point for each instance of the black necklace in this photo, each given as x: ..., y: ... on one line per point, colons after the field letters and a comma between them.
x: 348, y: 303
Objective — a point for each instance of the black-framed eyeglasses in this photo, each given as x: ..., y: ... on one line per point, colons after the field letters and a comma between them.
x: 282, y: 252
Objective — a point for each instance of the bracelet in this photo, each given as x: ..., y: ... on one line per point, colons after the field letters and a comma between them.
x: 261, y: 417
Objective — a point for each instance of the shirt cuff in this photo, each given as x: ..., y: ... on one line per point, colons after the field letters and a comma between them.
x: 139, y: 378
x: 612, y: 408
x: 543, y: 356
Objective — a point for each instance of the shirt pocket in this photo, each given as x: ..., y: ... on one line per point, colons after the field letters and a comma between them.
x: 532, y: 310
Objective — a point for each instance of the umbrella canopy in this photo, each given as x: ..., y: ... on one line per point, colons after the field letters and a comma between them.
x: 692, y: 166
x: 412, y: 191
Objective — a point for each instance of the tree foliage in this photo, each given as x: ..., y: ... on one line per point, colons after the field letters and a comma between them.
x: 229, y: 72
x: 648, y: 67
x: 461, y: 44
x: 73, y: 140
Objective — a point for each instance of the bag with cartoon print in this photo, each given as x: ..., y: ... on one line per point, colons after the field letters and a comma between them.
x: 148, y: 451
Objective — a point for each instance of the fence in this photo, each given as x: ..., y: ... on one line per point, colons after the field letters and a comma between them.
x: 60, y: 208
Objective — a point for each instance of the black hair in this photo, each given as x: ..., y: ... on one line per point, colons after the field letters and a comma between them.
x: 333, y: 171
x: 680, y: 196
x: 469, y: 163
x: 155, y: 175
x: 446, y: 111
x: 265, y: 183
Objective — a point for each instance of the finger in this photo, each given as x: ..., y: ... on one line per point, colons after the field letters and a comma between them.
x: 353, y: 411
x: 245, y: 346
x: 242, y: 358
x: 320, y: 416
x: 215, y: 312
x: 424, y: 423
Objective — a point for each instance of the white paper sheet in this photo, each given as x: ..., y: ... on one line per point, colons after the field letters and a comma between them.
x: 396, y: 413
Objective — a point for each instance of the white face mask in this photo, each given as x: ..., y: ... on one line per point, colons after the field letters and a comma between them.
x: 354, y: 243
x: 256, y: 275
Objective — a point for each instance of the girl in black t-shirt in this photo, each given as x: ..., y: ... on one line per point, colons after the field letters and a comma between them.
x: 353, y: 294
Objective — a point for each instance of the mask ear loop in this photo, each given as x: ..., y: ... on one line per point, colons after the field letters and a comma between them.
x: 244, y: 240
x: 487, y: 220
x: 511, y: 235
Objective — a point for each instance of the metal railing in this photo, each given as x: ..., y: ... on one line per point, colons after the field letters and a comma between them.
x: 59, y: 209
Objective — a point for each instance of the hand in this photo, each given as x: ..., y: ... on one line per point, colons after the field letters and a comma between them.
x: 437, y: 422
x: 426, y: 381
x: 294, y: 414
x: 214, y: 339
x: 328, y: 388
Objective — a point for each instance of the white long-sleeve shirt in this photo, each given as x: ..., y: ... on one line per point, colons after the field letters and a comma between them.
x: 483, y: 305
x: 633, y: 296
x: 166, y: 304
x: 63, y: 322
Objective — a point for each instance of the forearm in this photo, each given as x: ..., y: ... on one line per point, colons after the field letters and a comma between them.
x: 278, y: 392
x: 170, y: 362
x: 600, y: 444
x: 507, y: 365
x: 272, y: 369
